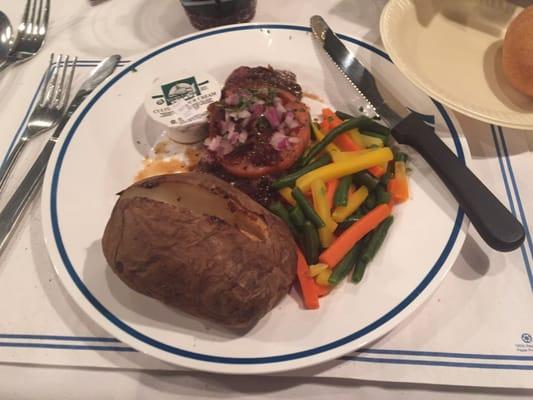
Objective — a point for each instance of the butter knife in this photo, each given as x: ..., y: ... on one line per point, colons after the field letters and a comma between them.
x: 495, y: 224
x: 18, y: 202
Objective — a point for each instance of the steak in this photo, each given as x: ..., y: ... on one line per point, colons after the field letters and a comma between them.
x: 248, y: 77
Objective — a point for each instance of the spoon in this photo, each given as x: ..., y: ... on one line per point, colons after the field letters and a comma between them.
x: 6, y: 37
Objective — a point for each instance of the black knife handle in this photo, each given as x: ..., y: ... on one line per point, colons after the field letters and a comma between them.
x: 495, y: 224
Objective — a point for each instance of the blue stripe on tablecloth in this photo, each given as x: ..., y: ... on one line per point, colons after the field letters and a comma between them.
x: 446, y: 354
x: 522, y: 217
x: 56, y: 337
x: 55, y: 346
x: 437, y: 363
x: 516, y: 191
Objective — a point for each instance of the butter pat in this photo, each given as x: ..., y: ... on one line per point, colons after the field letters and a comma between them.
x: 179, y: 102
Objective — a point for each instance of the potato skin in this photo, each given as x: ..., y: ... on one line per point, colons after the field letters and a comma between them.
x: 200, y: 263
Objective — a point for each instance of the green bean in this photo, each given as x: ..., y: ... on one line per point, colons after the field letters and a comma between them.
x: 400, y: 156
x: 364, y: 209
x: 371, y: 247
x: 288, y: 180
x: 311, y: 243
x: 314, y: 128
x: 342, y: 226
x: 344, y: 116
x: 279, y: 209
x: 307, y: 209
x: 368, y: 124
x: 377, y: 239
x: 384, y: 180
x: 356, y: 216
x: 297, y: 217
x: 344, y: 267
x: 319, y: 146
x: 341, y: 193
x: 382, y: 196
x: 363, y: 178
x: 370, y: 201
x: 359, y: 271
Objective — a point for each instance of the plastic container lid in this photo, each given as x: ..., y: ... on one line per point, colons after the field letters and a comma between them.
x: 179, y: 102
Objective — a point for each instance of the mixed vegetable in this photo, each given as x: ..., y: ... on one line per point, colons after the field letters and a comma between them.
x: 338, y: 200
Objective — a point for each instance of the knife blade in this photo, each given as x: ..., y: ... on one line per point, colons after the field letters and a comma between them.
x: 495, y: 224
x: 12, y: 212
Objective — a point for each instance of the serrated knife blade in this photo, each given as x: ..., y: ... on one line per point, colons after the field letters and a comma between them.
x: 495, y: 224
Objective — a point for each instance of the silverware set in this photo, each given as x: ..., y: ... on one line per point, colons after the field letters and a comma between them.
x: 52, y: 110
x: 30, y: 36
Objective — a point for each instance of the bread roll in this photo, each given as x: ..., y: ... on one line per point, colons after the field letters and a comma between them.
x: 518, y: 52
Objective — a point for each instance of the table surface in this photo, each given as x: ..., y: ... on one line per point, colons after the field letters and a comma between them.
x: 134, y: 26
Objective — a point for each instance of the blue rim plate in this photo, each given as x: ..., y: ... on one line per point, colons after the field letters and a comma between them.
x: 84, y: 173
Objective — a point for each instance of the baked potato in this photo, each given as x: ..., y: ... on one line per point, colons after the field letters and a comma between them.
x: 193, y: 241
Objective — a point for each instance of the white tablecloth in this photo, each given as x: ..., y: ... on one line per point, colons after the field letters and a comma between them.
x: 130, y: 27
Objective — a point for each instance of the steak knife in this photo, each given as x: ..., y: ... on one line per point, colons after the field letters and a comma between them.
x: 495, y: 224
x: 13, y: 209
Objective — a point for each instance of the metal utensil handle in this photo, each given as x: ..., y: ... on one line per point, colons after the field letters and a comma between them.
x: 14, y: 208
x: 495, y: 224
x: 7, y: 165
x: 4, y: 65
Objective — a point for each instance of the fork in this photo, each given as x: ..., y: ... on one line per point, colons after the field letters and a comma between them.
x: 52, y: 103
x: 31, y: 32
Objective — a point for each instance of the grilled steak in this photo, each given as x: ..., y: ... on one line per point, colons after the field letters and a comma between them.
x: 247, y: 77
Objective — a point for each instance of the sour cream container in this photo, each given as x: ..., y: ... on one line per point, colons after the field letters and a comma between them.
x: 179, y: 103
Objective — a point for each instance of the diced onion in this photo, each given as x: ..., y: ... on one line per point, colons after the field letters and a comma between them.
x: 279, y: 106
x: 244, y: 114
x: 232, y: 100
x: 272, y: 116
x: 213, y: 143
x: 279, y: 141
x: 243, y: 136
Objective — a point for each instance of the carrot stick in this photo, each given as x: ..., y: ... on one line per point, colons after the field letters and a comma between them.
x: 307, y: 283
x: 324, y: 126
x: 399, y: 189
x: 344, y: 243
x: 331, y: 187
x: 377, y: 171
x: 329, y: 114
x: 329, y: 120
x: 399, y: 186
x: 322, y: 290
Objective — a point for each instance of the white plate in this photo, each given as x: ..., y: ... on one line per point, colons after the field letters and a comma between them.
x: 452, y: 51
x: 102, y: 148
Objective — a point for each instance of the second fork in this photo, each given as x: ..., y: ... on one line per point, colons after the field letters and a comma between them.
x: 47, y: 113
x: 31, y: 32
